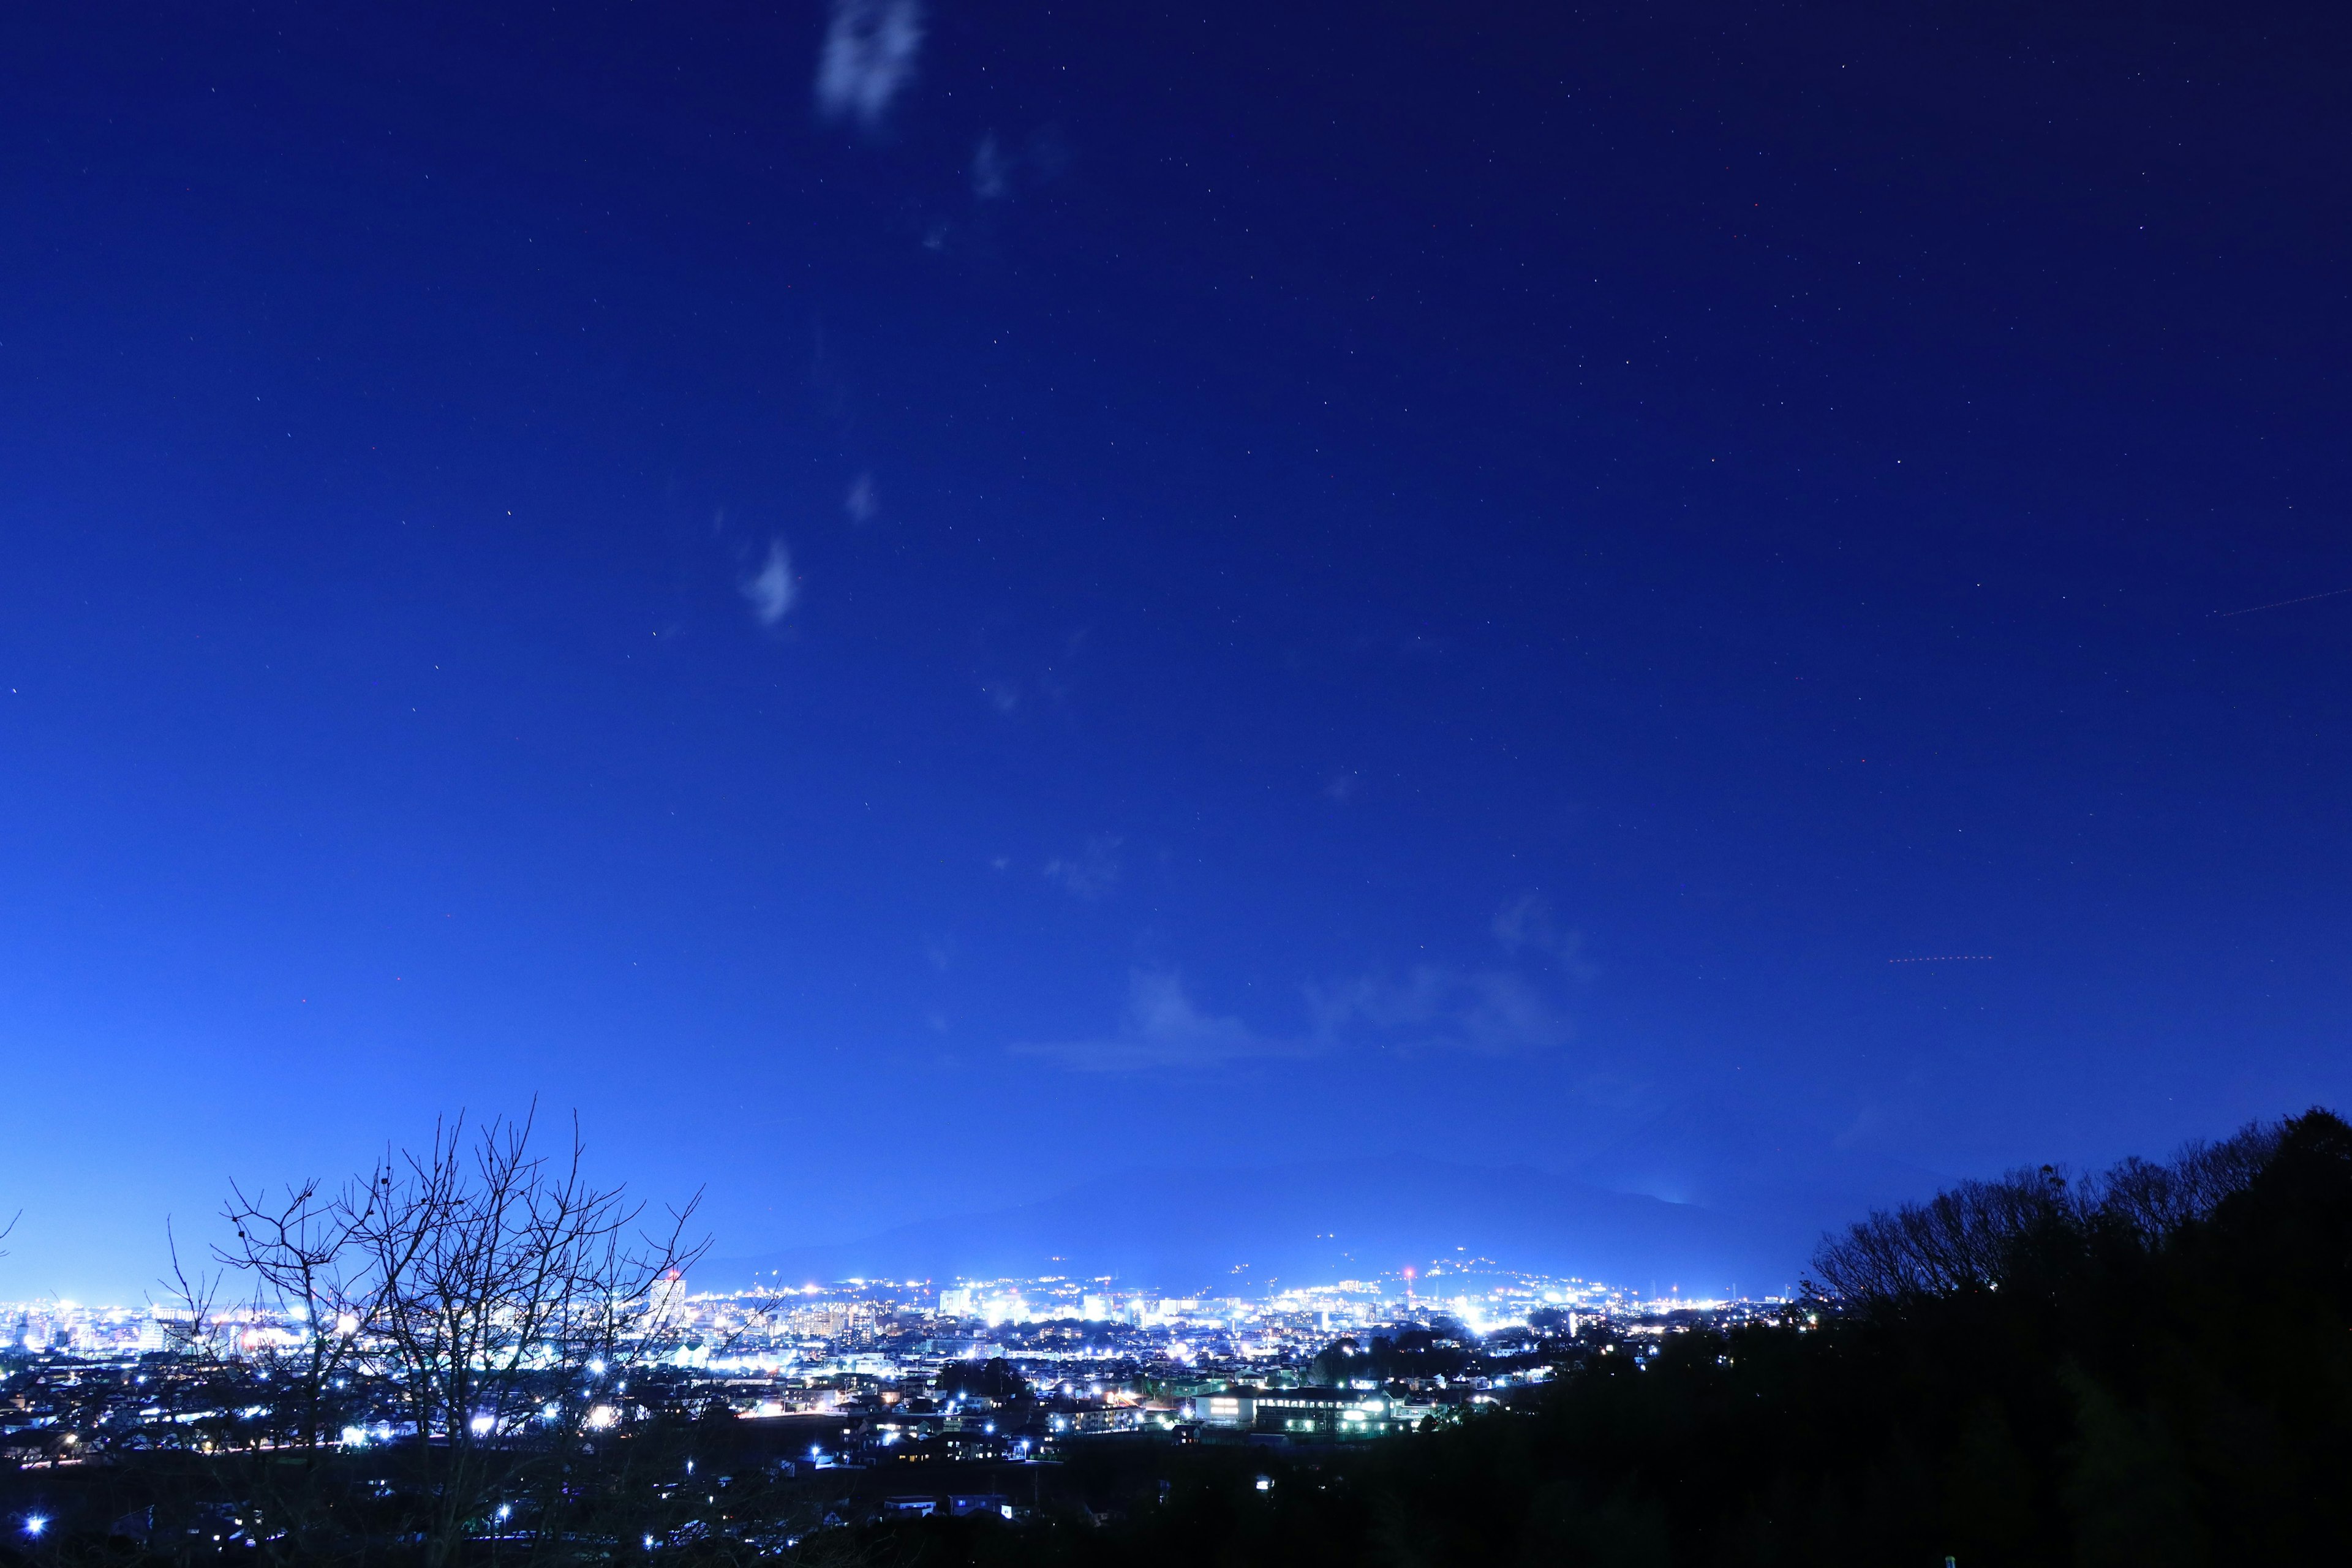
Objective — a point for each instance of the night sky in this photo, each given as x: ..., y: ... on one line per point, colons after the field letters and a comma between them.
x: 913, y: 605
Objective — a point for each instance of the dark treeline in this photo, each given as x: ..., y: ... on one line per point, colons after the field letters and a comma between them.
x: 2150, y: 1366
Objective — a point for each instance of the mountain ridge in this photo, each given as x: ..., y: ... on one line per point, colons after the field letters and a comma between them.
x: 1247, y: 1229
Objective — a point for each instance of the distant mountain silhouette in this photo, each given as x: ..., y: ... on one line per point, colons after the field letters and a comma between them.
x: 1229, y: 1231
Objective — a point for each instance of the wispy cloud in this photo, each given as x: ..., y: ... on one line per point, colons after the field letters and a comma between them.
x: 861, y: 503
x: 1092, y: 872
x: 771, y: 590
x: 1485, y: 1011
x: 1162, y: 1028
x: 1526, y: 925
x: 867, y: 59
x: 992, y: 170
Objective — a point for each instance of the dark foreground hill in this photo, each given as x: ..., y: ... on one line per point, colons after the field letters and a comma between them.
x: 2149, y: 1368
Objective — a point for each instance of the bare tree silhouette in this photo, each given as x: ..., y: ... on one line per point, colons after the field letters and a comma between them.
x: 493, y: 1296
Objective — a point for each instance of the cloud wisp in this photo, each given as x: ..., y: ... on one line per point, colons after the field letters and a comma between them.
x: 861, y: 503
x: 1526, y: 925
x: 1433, y: 1009
x: 1163, y: 1029
x: 772, y: 590
x: 867, y: 59
x: 1483, y: 1012
x: 992, y: 170
x: 1090, y: 873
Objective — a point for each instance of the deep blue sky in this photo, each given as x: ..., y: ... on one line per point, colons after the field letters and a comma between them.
x: 1107, y: 588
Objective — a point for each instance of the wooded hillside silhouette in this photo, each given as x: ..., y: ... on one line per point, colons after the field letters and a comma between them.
x: 2148, y: 1366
